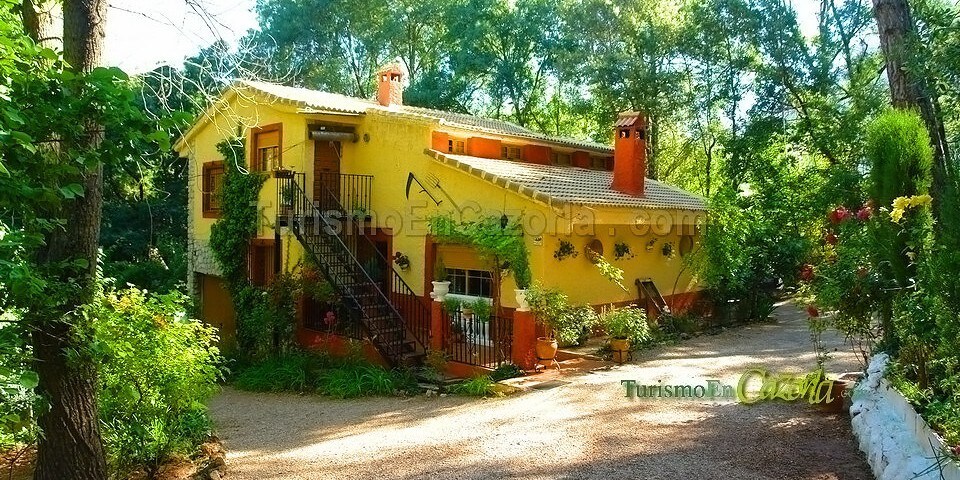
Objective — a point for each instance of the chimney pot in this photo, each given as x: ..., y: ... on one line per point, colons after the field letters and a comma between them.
x: 390, y: 85
x: 630, y: 153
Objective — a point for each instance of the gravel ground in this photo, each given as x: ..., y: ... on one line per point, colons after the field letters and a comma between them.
x: 581, y: 429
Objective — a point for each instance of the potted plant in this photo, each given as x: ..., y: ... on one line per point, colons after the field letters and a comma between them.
x: 401, y: 260
x: 481, y: 309
x: 562, y: 322
x: 441, y: 282
x: 627, y: 328
x: 451, y: 305
x: 565, y: 250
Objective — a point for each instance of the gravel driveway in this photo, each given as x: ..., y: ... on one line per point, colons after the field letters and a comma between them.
x: 581, y: 429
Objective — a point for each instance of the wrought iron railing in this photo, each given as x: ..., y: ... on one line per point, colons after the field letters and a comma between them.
x: 364, y: 300
x: 348, y: 193
x: 412, y: 308
x: 477, y: 341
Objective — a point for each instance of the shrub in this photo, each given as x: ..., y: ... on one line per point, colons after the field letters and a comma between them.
x: 157, y: 368
x: 505, y: 371
x: 301, y: 372
x: 569, y: 324
x: 627, y: 322
x: 477, y: 387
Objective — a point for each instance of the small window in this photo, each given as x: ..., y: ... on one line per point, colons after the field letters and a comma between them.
x: 560, y: 158
x: 266, y: 148
x: 625, y: 133
x: 474, y: 283
x: 598, y: 163
x: 213, y: 174
x: 450, y: 146
x: 510, y: 152
x: 459, y: 146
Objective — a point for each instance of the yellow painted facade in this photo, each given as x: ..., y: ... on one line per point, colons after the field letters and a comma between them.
x: 392, y: 145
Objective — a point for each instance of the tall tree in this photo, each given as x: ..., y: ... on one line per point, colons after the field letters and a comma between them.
x: 909, y: 87
x: 71, y: 447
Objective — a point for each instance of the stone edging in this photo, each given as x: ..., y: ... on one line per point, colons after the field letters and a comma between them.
x: 898, y: 443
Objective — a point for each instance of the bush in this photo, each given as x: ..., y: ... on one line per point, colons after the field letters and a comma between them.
x: 157, y: 368
x: 311, y: 372
x: 627, y: 322
x: 505, y: 371
x: 477, y: 387
x: 569, y: 324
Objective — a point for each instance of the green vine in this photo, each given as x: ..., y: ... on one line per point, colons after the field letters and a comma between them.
x: 230, y: 238
x: 498, y: 244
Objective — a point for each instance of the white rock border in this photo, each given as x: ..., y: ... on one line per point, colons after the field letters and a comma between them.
x: 898, y: 443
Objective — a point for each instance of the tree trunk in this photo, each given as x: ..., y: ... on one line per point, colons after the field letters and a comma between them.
x: 907, y: 90
x: 38, y: 22
x: 70, y: 446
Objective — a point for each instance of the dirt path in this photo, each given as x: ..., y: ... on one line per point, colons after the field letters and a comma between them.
x: 582, y: 429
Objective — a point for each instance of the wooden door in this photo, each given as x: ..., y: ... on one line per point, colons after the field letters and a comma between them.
x: 326, y: 172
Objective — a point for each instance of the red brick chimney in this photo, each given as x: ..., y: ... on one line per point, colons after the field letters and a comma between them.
x: 390, y: 85
x: 630, y: 153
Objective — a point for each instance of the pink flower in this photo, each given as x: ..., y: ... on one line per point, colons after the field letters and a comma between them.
x: 864, y: 213
x: 839, y: 214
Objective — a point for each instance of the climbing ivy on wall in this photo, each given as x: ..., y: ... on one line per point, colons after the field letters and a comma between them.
x: 230, y: 238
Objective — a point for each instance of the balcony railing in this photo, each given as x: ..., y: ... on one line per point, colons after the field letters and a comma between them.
x: 353, y: 191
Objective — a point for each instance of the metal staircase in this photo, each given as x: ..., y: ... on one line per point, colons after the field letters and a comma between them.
x: 394, y: 318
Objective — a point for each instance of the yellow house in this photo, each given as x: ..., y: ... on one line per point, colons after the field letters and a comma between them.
x: 342, y: 165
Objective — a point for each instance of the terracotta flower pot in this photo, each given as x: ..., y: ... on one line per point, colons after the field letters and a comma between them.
x: 621, y: 349
x: 839, y: 396
x: 547, y: 348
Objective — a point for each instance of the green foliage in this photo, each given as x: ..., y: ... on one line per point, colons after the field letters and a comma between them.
x: 310, y: 372
x: 230, y: 235
x: 481, y: 386
x: 505, y: 371
x: 569, y: 324
x: 158, y: 367
x: 440, y: 271
x: 500, y: 246
x: 628, y: 322
x: 451, y: 305
x: 481, y: 309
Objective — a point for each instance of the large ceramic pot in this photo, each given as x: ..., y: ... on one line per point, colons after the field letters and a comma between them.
x: 547, y: 348
x: 522, y: 305
x: 440, y: 290
x: 621, y: 349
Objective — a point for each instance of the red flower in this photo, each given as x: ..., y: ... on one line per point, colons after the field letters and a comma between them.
x: 864, y: 213
x: 812, y: 311
x: 806, y: 273
x: 839, y: 214
x: 831, y: 238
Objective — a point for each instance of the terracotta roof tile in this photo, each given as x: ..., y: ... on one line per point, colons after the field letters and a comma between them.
x: 315, y: 99
x: 575, y: 185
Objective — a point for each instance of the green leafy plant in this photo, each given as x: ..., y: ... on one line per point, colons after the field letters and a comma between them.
x: 566, y: 323
x: 481, y: 309
x: 500, y: 245
x: 481, y: 386
x: 157, y: 368
x: 628, y: 322
x: 505, y: 371
x: 440, y: 273
x: 451, y: 305
x: 565, y: 250
x: 610, y: 272
x: 621, y: 251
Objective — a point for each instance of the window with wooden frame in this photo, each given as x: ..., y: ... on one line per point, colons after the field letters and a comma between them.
x: 456, y: 146
x: 510, y: 152
x: 598, y: 163
x: 213, y: 173
x: 560, y: 158
x: 266, y: 148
